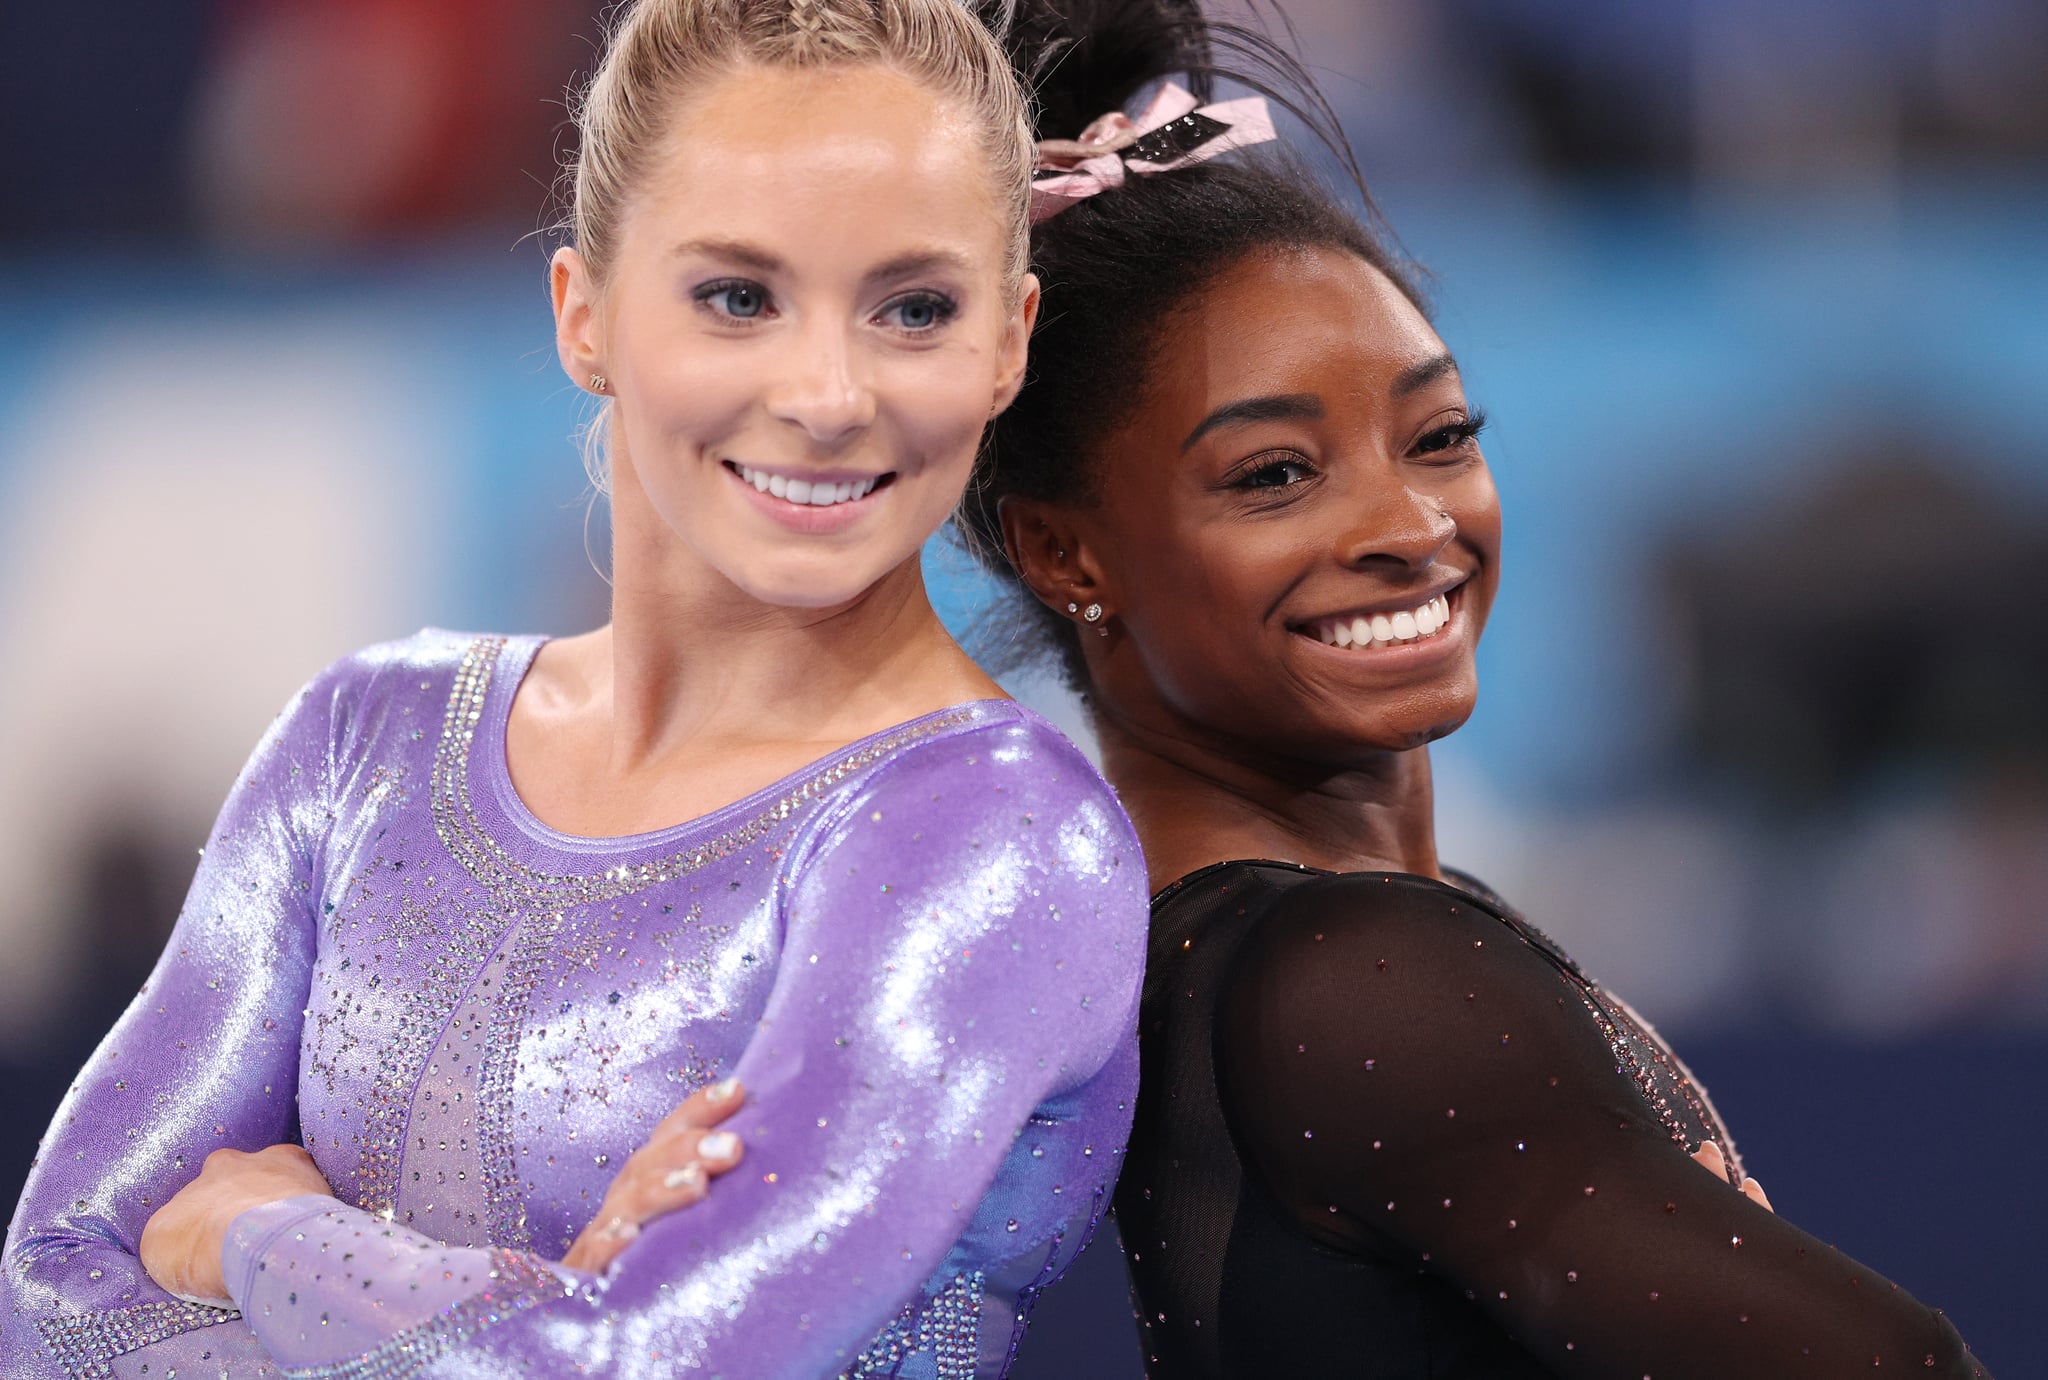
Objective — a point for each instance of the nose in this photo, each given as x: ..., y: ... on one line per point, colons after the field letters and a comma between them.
x: 820, y: 387
x: 1408, y: 530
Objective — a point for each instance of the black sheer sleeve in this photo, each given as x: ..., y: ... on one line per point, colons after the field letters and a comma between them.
x: 1411, y: 1074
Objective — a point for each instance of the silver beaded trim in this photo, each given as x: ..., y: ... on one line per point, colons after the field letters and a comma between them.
x: 528, y: 889
x: 518, y: 1282
x: 537, y: 902
x: 1659, y: 1079
x: 85, y: 1344
x: 949, y: 1327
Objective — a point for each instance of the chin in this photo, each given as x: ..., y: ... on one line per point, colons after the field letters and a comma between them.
x: 808, y: 584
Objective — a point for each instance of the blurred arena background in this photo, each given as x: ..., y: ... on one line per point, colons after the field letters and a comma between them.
x: 1755, y: 293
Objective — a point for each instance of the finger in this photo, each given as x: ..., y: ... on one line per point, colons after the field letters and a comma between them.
x: 653, y: 1185
x: 600, y: 1243
x: 1755, y: 1191
x: 1710, y: 1158
x: 702, y: 1109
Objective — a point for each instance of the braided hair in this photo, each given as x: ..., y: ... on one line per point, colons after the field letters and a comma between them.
x: 1114, y: 268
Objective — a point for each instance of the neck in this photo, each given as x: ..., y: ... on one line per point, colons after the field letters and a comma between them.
x: 693, y: 662
x: 1198, y: 799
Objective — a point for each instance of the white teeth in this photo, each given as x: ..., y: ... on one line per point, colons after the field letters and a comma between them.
x: 804, y: 491
x: 1385, y: 630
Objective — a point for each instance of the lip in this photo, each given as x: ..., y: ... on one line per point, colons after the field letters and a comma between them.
x: 805, y: 518
x: 1402, y: 656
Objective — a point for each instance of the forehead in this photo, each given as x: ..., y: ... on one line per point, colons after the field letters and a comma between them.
x: 1288, y: 321
x: 821, y: 159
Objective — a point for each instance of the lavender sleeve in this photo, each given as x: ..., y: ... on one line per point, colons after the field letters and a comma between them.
x: 962, y: 942
x: 205, y: 1058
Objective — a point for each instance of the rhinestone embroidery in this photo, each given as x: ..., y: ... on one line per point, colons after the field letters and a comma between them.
x: 537, y: 902
x: 517, y: 1283
x: 949, y: 1327
x: 528, y: 889
x: 85, y: 1344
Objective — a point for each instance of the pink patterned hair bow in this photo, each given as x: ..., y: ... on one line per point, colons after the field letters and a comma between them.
x: 1172, y: 133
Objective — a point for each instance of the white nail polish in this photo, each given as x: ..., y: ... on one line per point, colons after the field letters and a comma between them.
x: 719, y: 1145
x: 722, y: 1090
x: 689, y: 1176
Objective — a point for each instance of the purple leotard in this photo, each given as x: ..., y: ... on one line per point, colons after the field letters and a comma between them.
x: 921, y: 953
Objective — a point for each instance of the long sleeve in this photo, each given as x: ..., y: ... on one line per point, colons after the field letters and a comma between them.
x: 962, y: 936
x: 1412, y: 1076
x: 205, y: 1058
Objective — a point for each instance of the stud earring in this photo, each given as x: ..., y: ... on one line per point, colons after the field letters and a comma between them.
x: 1093, y: 613
x: 600, y: 384
x: 1073, y: 608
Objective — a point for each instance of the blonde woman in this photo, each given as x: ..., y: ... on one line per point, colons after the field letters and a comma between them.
x: 402, y: 1095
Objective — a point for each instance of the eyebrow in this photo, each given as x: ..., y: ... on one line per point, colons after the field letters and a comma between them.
x: 1278, y: 407
x: 761, y: 261
x: 736, y: 251
x: 1422, y: 374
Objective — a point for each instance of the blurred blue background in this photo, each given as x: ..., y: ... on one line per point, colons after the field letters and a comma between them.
x: 1756, y: 296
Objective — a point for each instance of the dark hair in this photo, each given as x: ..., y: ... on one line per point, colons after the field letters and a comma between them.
x: 1115, y: 267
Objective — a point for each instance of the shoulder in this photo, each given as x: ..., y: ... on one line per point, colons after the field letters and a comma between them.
x: 995, y: 765
x: 987, y: 798
x: 434, y: 654
x: 419, y: 671
x: 1386, y: 957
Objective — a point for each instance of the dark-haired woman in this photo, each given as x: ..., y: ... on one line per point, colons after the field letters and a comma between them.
x: 1385, y: 1128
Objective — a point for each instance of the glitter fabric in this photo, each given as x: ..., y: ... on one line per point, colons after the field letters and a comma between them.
x: 921, y: 954
x: 1389, y: 1128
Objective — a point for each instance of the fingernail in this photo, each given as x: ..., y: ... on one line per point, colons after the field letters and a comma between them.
x: 719, y: 1145
x: 689, y: 1176
x: 722, y: 1090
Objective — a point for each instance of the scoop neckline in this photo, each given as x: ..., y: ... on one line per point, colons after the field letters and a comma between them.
x: 515, y: 660
x: 1176, y: 886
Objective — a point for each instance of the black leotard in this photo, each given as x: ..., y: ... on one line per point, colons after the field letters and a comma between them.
x: 1388, y: 1129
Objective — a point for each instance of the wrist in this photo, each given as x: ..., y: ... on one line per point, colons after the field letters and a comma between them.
x: 249, y: 1236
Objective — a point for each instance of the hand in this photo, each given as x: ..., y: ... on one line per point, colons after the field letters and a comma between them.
x: 671, y: 1171
x: 181, y: 1244
x: 1709, y: 1154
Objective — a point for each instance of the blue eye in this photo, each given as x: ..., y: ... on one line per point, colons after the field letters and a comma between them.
x: 922, y: 311
x: 734, y: 298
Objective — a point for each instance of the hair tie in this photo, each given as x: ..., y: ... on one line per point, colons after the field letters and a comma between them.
x: 1172, y: 134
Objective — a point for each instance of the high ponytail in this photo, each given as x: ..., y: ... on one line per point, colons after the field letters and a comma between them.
x: 1115, y: 267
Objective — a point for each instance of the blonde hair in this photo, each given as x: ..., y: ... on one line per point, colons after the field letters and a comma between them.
x: 658, y: 50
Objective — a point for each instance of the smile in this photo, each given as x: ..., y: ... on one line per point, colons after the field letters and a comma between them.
x: 812, y: 493
x: 1367, y: 631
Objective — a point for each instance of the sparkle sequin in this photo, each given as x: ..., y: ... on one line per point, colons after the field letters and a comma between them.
x: 485, y: 1019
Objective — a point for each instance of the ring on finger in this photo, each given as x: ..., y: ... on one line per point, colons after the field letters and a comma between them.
x: 619, y: 1229
x: 689, y: 1176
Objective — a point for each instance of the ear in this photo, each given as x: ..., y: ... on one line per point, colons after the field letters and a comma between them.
x: 579, y: 340
x: 1051, y: 555
x: 1016, y: 346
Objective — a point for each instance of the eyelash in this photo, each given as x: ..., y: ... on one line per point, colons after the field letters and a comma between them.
x: 944, y: 308
x: 1268, y: 463
x: 1461, y: 434
x: 1457, y: 437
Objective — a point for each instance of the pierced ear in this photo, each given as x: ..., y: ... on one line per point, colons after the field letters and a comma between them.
x: 1050, y: 555
x: 578, y: 327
